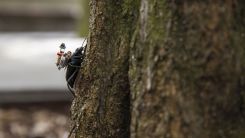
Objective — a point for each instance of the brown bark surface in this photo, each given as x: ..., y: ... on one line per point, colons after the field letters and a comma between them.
x: 182, y: 61
x: 102, y: 104
x: 187, y: 70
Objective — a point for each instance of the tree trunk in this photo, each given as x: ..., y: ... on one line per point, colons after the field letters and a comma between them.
x: 102, y: 104
x: 187, y: 70
x: 182, y: 61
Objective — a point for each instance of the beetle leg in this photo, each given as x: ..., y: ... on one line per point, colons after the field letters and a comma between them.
x: 69, y: 79
x: 71, y: 90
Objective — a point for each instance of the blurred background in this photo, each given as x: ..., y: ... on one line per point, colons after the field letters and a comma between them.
x: 34, y: 99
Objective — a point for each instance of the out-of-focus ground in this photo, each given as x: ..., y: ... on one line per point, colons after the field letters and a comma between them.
x: 49, y: 120
x: 34, y: 100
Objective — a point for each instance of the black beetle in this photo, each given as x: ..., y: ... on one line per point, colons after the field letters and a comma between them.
x: 72, y: 63
x: 73, y: 66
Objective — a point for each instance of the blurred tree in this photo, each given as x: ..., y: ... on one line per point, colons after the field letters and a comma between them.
x: 184, y: 62
x: 83, y: 27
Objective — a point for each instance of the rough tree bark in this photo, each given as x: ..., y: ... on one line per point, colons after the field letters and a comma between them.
x: 182, y: 61
x: 102, y: 105
x: 187, y: 70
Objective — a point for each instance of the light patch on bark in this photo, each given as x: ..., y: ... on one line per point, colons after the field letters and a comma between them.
x: 143, y: 18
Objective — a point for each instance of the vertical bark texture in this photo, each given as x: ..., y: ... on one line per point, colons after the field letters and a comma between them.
x: 186, y: 72
x: 101, y: 108
x: 183, y: 61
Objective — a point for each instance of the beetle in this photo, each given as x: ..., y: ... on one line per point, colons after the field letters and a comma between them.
x: 72, y: 64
